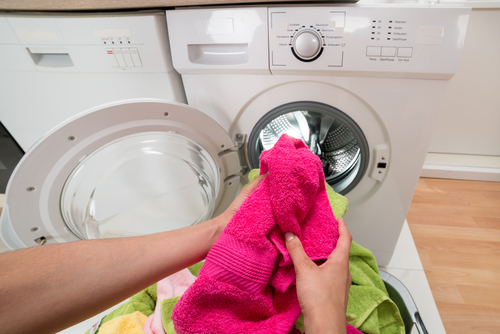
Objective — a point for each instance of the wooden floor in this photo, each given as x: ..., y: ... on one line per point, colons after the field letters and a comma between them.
x: 456, y: 228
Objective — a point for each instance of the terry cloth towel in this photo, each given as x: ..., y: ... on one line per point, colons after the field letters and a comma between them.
x: 171, y: 286
x: 143, y: 301
x: 369, y: 306
x: 125, y: 324
x: 246, y: 284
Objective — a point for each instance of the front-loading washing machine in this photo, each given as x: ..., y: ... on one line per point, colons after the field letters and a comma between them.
x: 360, y: 84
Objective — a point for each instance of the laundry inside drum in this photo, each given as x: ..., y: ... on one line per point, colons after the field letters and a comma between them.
x: 326, y: 136
x: 140, y: 184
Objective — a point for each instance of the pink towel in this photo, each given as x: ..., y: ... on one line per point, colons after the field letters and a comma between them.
x: 247, y: 282
x: 171, y: 286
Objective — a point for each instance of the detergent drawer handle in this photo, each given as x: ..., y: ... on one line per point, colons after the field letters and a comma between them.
x: 218, y: 54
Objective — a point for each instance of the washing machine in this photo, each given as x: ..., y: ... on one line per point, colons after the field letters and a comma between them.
x: 360, y: 84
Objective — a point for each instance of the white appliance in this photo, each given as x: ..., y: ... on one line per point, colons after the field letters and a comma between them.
x: 57, y: 65
x: 361, y: 84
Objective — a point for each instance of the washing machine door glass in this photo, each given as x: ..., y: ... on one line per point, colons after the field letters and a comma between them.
x: 126, y: 168
x: 136, y: 184
x: 328, y: 132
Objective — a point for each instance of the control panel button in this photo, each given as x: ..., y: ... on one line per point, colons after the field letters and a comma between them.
x: 119, y: 57
x: 374, y: 51
x: 405, y: 52
x: 127, y: 57
x: 307, y: 44
x: 388, y: 52
x: 134, y: 53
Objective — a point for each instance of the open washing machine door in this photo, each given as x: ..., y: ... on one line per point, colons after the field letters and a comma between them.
x: 128, y: 168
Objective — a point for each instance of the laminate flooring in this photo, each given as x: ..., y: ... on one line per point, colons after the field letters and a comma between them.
x: 456, y: 228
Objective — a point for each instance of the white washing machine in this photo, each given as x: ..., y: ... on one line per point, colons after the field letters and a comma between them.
x: 360, y: 84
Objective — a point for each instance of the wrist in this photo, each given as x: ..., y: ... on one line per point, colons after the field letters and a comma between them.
x: 325, y: 322
x: 217, y: 225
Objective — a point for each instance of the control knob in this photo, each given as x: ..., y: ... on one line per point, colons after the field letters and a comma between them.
x: 306, y: 45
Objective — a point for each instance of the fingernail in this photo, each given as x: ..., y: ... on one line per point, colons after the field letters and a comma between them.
x: 289, y: 236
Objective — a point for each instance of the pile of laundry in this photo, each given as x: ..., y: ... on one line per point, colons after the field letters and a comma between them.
x: 247, y: 282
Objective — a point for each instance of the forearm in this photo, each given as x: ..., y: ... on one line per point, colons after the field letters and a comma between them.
x: 52, y: 287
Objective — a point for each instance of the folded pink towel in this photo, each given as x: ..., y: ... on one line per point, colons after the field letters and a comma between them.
x: 246, y: 284
x: 171, y: 286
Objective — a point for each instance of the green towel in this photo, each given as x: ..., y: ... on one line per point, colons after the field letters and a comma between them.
x: 143, y: 302
x: 369, y: 307
x: 167, y: 306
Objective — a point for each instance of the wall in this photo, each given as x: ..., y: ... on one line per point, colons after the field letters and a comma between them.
x: 466, y: 141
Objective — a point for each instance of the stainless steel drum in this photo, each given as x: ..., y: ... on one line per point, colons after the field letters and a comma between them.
x: 328, y: 132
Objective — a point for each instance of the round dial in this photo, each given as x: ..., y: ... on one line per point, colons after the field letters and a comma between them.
x: 307, y: 44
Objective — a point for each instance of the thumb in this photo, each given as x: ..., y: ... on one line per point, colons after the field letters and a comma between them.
x: 296, y: 251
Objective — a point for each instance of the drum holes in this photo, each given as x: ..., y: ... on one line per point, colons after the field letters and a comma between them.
x: 34, y: 229
x: 30, y: 189
x: 222, y: 146
x: 166, y: 113
x: 71, y: 138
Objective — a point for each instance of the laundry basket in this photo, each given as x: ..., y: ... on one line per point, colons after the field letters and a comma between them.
x: 402, y: 298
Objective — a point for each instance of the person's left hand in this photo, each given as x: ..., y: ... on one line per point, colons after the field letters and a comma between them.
x: 226, y: 216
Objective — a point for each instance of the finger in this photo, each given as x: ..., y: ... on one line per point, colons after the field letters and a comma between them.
x: 294, y: 247
x: 253, y: 185
x: 235, y: 205
x: 344, y: 241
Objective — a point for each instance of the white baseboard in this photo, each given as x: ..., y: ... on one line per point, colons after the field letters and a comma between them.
x: 462, y: 166
x: 461, y: 173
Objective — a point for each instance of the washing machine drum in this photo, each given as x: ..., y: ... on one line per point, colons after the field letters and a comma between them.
x: 125, y: 169
x: 328, y: 132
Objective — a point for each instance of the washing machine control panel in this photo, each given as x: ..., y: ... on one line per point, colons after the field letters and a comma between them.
x: 303, y: 39
x: 417, y: 41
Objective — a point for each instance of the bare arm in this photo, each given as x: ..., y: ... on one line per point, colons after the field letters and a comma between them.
x: 51, y: 287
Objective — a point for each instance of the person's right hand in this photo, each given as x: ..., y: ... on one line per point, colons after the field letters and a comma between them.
x: 323, y: 290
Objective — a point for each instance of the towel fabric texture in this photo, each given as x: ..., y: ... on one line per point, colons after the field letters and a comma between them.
x: 125, y: 324
x: 369, y: 306
x: 171, y: 286
x: 247, y: 282
x: 143, y: 301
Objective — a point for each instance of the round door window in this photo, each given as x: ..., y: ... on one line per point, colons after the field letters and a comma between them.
x: 328, y: 132
x: 140, y: 184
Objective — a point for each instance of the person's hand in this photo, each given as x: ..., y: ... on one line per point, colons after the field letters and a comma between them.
x: 323, y: 290
x: 226, y: 216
